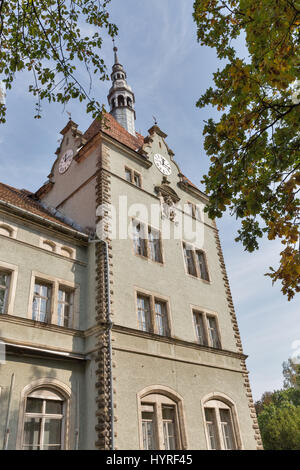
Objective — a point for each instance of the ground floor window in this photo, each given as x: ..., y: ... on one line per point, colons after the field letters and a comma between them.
x: 44, y: 421
x: 220, y: 426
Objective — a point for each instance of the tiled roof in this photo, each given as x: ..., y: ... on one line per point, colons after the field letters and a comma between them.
x: 24, y: 199
x: 112, y: 128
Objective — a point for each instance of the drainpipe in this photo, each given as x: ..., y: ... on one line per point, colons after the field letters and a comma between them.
x: 109, y: 325
x: 7, y: 430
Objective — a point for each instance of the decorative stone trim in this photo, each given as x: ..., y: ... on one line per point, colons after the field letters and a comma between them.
x: 103, y: 365
x: 257, y: 436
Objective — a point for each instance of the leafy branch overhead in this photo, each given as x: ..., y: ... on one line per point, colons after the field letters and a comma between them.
x: 50, y: 38
x: 255, y: 146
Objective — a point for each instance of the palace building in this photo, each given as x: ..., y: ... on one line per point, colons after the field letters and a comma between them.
x: 116, y: 334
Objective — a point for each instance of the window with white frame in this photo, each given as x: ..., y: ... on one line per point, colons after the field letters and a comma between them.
x: 160, y: 423
x: 213, y: 331
x: 41, y: 304
x: 5, y: 278
x: 133, y: 177
x: 147, y: 241
x: 144, y: 313
x: 53, y: 302
x: 195, y: 261
x: 206, y: 328
x: 153, y: 315
x: 44, y: 421
x: 161, y: 318
x: 64, y: 306
x: 220, y: 426
x: 200, y: 328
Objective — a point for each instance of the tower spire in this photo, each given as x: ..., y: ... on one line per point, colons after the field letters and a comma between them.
x: 121, y: 97
x: 115, y: 52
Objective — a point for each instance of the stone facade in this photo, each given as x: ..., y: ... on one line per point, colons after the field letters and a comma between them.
x: 122, y: 376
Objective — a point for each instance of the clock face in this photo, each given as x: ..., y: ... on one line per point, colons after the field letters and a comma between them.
x: 162, y: 164
x: 65, y: 161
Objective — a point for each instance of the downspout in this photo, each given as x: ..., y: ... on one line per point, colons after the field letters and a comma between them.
x: 7, y: 428
x: 109, y: 325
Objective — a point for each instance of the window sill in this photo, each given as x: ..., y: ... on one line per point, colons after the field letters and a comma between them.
x: 145, y: 258
x: 199, y: 278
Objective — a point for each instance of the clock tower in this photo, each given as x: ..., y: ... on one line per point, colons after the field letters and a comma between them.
x: 121, y: 97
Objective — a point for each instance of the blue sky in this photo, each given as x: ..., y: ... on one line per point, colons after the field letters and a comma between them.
x: 168, y: 71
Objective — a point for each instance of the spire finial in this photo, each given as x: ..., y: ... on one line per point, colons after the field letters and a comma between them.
x: 115, y: 51
x: 155, y: 120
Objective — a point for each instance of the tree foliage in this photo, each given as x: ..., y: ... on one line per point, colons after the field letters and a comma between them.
x: 280, y: 427
x: 279, y: 412
x: 291, y: 373
x: 50, y: 38
x: 255, y: 146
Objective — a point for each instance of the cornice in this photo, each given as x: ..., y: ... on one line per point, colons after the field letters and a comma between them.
x: 177, y: 342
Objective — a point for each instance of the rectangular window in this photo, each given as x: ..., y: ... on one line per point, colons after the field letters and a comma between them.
x: 189, y: 260
x: 198, y: 212
x: 128, y: 175
x: 190, y: 208
x: 199, y: 327
x: 148, y: 427
x: 211, y: 428
x: 43, y: 424
x: 227, y: 430
x: 64, y: 306
x: 195, y: 261
x: 139, y: 241
x: 147, y: 241
x: 41, y: 302
x: 133, y: 177
x: 202, y: 265
x: 213, y: 332
x: 137, y: 179
x: 154, y: 245
x: 168, y: 418
x: 144, y: 313
x: 206, y: 328
x: 153, y: 315
x: 161, y: 318
x: 4, y: 290
x: 194, y: 210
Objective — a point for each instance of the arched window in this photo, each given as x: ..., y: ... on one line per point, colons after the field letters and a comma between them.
x: 121, y: 100
x: 129, y: 102
x: 113, y: 103
x: 222, y: 431
x: 161, y: 419
x: 43, y: 419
